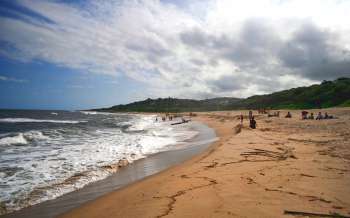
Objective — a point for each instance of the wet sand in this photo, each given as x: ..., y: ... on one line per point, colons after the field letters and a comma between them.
x: 284, y: 168
x: 124, y: 176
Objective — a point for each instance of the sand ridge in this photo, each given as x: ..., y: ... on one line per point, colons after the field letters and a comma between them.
x: 284, y: 168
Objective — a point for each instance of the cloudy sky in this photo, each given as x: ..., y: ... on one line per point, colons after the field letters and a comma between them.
x: 83, y: 54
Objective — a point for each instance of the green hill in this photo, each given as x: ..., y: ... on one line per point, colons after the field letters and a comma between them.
x: 327, y: 94
x: 175, y: 105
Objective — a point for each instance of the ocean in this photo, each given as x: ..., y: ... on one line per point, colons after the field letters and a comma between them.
x: 45, y: 154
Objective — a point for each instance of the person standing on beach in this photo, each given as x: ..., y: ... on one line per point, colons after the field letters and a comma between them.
x: 250, y: 115
x: 241, y: 117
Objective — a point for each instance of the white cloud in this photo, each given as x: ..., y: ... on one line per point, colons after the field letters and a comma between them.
x: 186, y: 51
x: 10, y: 79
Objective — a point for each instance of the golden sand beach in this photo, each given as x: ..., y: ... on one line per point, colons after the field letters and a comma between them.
x: 284, y: 168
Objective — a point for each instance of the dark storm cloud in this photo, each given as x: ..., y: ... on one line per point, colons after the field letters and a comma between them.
x: 307, y: 45
x: 256, y: 42
x: 226, y: 83
x: 313, y: 52
x: 199, y: 39
x: 324, y: 71
x: 238, y: 81
x: 310, y: 52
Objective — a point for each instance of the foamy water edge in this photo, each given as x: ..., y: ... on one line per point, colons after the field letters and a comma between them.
x: 77, y: 181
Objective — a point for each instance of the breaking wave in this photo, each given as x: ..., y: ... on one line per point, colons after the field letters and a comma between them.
x: 22, y: 138
x: 29, y: 120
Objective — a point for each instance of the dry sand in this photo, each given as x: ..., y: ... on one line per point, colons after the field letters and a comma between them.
x: 283, y: 165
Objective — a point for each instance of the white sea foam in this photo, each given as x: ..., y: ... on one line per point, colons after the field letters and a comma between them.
x: 58, y: 155
x: 11, y: 140
x: 142, y: 123
x: 88, y: 112
x: 22, y: 138
x: 35, y: 135
x: 29, y: 120
x: 100, y: 113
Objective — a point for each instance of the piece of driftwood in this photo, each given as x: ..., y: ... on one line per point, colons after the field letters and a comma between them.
x: 184, y: 121
x: 310, y: 214
x: 283, y: 155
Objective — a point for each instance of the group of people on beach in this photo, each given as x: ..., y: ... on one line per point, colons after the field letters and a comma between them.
x: 170, y: 117
x: 304, y: 116
x: 164, y: 118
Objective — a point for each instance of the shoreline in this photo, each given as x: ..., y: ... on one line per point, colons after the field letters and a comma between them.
x: 126, y: 175
x: 286, y: 167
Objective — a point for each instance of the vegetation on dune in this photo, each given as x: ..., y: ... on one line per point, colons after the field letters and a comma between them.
x: 327, y: 94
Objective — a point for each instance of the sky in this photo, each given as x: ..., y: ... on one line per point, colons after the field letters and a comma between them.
x: 87, y: 54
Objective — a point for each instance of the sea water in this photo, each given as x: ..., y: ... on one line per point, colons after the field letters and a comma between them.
x: 45, y: 154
